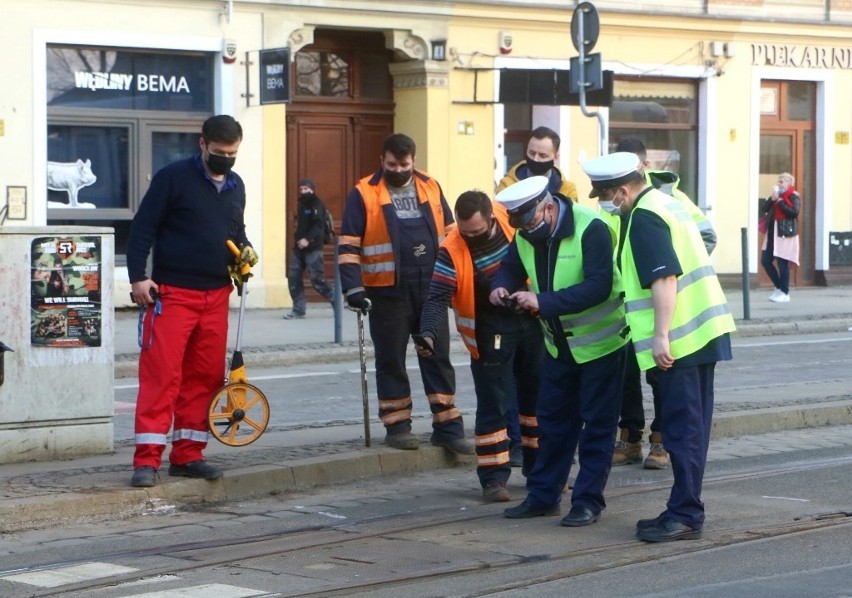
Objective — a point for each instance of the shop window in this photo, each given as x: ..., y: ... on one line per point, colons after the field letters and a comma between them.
x: 88, y: 167
x: 116, y: 117
x: 663, y: 114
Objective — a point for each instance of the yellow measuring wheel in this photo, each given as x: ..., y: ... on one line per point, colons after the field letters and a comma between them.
x: 239, y: 412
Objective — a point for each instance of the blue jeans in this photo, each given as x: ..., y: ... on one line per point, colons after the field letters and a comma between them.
x: 780, y: 277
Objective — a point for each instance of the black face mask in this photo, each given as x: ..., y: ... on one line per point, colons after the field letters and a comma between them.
x: 220, y: 164
x: 397, y: 179
x: 538, y: 168
x: 536, y: 234
x: 306, y: 196
x: 479, y: 240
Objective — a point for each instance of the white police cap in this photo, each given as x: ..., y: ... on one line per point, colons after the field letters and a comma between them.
x: 611, y: 171
x: 521, y: 199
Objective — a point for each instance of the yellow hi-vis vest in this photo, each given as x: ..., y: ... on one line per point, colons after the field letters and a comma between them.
x: 594, y: 332
x: 701, y: 312
x: 378, y: 263
x: 464, y: 298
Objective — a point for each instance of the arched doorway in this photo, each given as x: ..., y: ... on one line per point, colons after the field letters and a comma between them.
x: 342, y: 110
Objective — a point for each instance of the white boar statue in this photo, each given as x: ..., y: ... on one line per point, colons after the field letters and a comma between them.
x: 70, y: 177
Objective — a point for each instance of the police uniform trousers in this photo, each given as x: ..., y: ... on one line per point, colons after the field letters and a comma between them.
x: 687, y: 408
x: 578, y: 407
x: 510, y: 352
x: 632, y: 409
x: 394, y: 317
x: 181, y: 365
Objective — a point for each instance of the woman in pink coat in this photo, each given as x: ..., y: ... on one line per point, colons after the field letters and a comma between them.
x: 781, y: 245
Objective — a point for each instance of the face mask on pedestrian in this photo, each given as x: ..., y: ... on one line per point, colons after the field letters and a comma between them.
x: 220, y: 164
x: 397, y: 178
x: 538, y: 168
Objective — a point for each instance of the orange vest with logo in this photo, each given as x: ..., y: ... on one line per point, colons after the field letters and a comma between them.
x: 463, y: 299
x: 378, y: 266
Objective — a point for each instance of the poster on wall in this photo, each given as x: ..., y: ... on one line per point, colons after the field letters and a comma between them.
x: 65, y: 295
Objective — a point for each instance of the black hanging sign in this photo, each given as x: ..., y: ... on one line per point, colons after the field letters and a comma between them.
x: 275, y: 76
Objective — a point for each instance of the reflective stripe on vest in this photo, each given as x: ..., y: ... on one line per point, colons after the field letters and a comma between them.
x: 378, y: 263
x: 701, y: 311
x: 464, y: 299
x: 596, y: 331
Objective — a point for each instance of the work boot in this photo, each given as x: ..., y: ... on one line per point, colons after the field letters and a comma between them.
x: 657, y: 457
x: 144, y: 477
x: 196, y: 469
x: 626, y: 452
x: 405, y: 441
x: 460, y: 446
x: 496, y: 492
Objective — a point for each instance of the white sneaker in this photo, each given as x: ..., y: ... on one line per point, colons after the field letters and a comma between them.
x: 781, y: 298
x: 775, y: 294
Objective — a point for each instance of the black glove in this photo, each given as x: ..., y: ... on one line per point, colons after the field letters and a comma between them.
x: 358, y: 300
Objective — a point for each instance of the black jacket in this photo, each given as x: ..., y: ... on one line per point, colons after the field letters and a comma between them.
x: 789, y: 226
x: 310, y: 221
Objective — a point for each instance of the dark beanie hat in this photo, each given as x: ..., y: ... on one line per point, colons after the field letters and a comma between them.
x: 308, y: 183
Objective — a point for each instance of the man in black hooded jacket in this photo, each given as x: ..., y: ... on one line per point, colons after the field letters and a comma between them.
x: 307, y: 251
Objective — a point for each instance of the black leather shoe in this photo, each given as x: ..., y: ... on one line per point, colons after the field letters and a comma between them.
x: 579, y: 516
x: 646, y: 523
x: 667, y: 530
x: 196, y: 469
x: 144, y: 477
x: 525, y: 510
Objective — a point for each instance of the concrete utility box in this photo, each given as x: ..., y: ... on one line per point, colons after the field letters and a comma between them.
x: 56, y: 314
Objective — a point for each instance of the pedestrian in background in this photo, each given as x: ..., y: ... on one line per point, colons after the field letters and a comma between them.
x: 781, y: 244
x: 680, y: 324
x: 306, y: 253
x: 566, y: 252
x: 504, y: 341
x: 393, y: 222
x: 189, y: 212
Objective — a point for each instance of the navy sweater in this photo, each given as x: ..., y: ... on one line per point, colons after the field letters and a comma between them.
x: 187, y: 220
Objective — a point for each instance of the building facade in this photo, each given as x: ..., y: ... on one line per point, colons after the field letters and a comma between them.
x: 727, y: 93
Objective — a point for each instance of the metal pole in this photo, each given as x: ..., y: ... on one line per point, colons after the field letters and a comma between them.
x: 745, y: 284
x: 337, y: 302
x: 583, y: 83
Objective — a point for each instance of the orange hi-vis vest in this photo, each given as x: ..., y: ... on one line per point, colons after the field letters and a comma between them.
x: 378, y: 264
x: 463, y: 299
